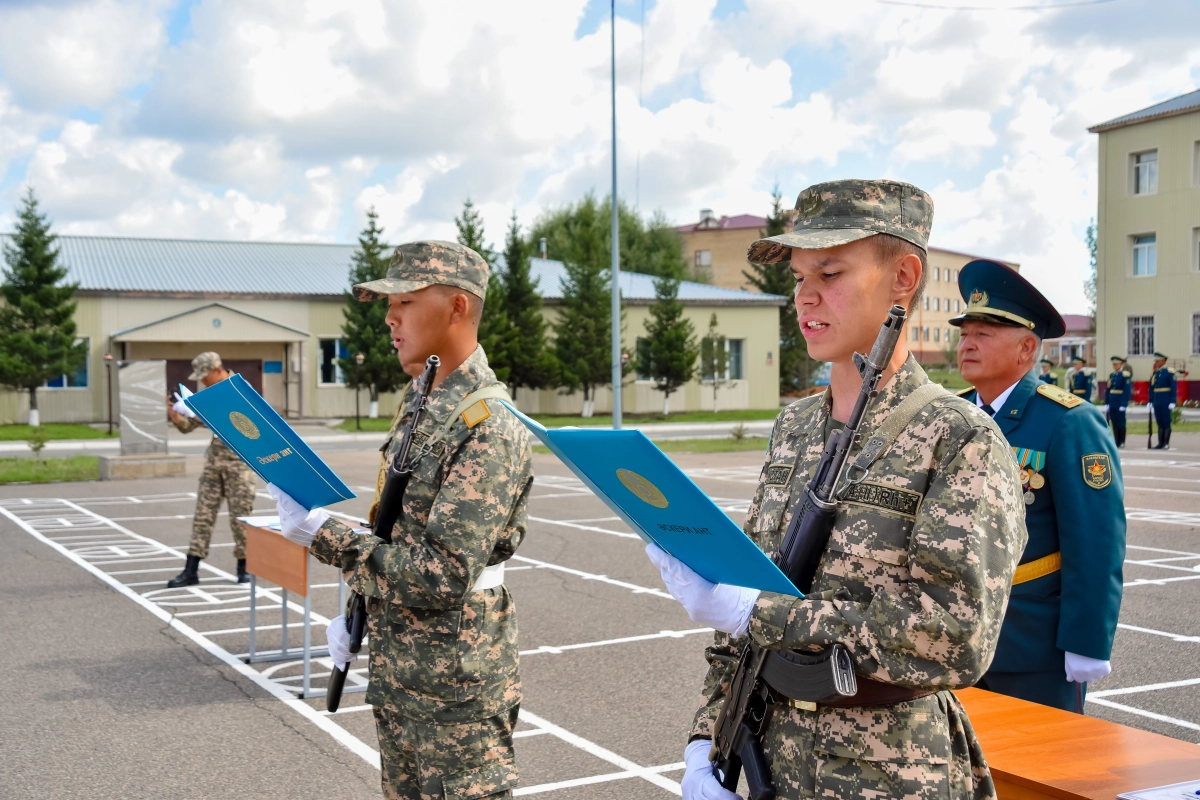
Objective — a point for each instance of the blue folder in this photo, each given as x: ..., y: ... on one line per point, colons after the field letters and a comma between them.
x: 239, y: 417
x: 662, y: 504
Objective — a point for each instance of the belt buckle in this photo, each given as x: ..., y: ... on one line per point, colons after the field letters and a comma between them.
x: 802, y: 705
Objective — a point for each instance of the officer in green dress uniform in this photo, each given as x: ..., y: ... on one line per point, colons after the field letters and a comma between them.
x: 1047, y: 376
x: 1081, y: 382
x: 1118, y: 396
x: 1162, y: 398
x: 1066, y: 595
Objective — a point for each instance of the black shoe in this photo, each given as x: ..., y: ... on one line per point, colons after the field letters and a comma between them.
x: 242, y: 577
x: 189, y: 576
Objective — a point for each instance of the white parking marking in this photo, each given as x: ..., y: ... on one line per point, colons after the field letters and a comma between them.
x: 562, y: 648
x: 588, y: 576
x: 1143, y: 713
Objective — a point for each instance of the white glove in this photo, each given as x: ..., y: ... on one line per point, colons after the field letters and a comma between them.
x: 717, y: 605
x: 1122, y: 408
x: 1081, y: 669
x: 297, y: 523
x: 1171, y: 407
x: 339, y: 642
x: 1105, y: 409
x: 699, y: 782
x: 181, y: 407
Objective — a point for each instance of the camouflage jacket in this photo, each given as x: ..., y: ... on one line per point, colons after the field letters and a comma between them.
x: 914, y: 582
x: 439, y: 651
x: 218, y: 453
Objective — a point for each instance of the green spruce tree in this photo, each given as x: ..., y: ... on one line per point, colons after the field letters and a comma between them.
x: 37, y: 320
x: 495, y: 332
x: 536, y: 367
x: 714, y: 359
x: 364, y: 327
x: 1089, y: 286
x: 795, y: 367
x: 669, y: 355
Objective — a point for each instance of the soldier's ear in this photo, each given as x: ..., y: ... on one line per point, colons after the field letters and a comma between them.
x: 907, y: 280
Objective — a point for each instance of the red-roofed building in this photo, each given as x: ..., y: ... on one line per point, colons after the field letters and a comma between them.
x: 716, y: 247
x: 1079, y: 340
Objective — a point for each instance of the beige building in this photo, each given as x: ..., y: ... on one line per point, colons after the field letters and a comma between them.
x: 1148, y: 243
x: 716, y: 247
x: 274, y: 313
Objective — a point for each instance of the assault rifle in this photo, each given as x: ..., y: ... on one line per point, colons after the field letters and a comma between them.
x: 386, y: 514
x: 812, y: 677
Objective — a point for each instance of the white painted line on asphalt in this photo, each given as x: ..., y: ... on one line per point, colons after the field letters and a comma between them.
x: 1157, y: 478
x: 527, y: 734
x: 593, y: 519
x: 1161, y: 550
x: 557, y: 649
x: 593, y: 779
x: 588, y: 576
x: 348, y: 710
x: 649, y: 774
x: 140, y: 571
x: 1178, y: 637
x: 1129, y: 488
x: 1159, y: 581
x: 1149, y: 687
x: 1158, y: 515
x: 259, y: 628
x: 243, y: 610
x: 1143, y: 713
x: 619, y: 534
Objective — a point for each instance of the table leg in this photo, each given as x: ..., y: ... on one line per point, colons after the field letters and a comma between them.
x: 253, y: 612
x: 283, y: 594
x: 307, y: 630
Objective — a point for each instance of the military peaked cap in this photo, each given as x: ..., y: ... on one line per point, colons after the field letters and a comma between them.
x: 996, y: 293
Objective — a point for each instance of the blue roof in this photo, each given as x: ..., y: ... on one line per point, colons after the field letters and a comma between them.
x: 108, y: 265
x: 1183, y: 104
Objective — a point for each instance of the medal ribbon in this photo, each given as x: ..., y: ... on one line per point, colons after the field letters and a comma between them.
x: 1035, y: 459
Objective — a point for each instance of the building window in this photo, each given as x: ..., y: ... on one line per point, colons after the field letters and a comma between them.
x: 331, y: 351
x: 77, y: 381
x: 1145, y: 254
x: 704, y: 259
x: 643, y: 358
x: 1145, y: 173
x: 1196, y: 248
x: 937, y: 334
x: 733, y: 358
x: 1196, y: 164
x: 957, y: 306
x: 1141, y: 336
x: 925, y: 300
x: 947, y: 305
x: 736, y: 348
x: 925, y: 332
x: 948, y: 339
x: 937, y: 304
x: 937, y: 273
x: 1195, y: 334
x: 916, y: 334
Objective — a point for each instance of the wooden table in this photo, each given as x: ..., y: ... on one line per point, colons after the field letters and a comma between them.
x: 1035, y: 751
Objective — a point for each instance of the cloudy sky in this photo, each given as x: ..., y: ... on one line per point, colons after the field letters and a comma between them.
x: 286, y: 119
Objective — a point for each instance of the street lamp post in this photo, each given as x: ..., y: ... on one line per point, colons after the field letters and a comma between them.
x: 358, y: 359
x: 108, y: 363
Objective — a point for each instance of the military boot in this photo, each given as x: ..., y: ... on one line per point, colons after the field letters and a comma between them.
x: 189, y: 576
x: 242, y: 577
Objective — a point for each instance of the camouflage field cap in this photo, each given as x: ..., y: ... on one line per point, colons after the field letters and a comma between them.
x: 203, y: 364
x: 840, y: 212
x: 419, y: 264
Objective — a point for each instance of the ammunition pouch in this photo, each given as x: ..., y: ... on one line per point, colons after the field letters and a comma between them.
x: 808, y: 680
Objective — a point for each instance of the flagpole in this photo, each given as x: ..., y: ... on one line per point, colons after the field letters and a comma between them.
x: 616, y: 241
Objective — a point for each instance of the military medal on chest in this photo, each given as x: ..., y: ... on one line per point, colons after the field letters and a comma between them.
x: 1031, y: 462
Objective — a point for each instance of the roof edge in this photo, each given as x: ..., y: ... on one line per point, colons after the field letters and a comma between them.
x: 1121, y: 122
x: 144, y: 325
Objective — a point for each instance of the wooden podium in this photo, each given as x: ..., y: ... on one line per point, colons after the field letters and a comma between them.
x: 1035, y: 751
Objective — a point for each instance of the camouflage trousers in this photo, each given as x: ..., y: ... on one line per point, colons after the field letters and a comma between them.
x: 432, y: 761
x: 219, y: 481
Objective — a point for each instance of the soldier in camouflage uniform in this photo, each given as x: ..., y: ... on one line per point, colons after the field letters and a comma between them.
x: 442, y: 626
x: 915, y: 577
x: 224, y: 477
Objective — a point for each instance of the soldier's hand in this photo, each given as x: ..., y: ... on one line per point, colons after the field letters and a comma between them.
x: 338, y: 637
x: 1081, y: 669
x: 719, y: 606
x: 296, y: 522
x: 699, y: 782
x: 1171, y: 407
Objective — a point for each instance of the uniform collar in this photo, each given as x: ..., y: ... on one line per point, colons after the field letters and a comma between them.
x: 470, y: 375
x: 907, y: 379
x: 1013, y: 409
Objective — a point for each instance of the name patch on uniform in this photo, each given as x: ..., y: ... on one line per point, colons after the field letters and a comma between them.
x: 779, y: 474
x: 420, y: 444
x: 1097, y: 470
x: 890, y: 498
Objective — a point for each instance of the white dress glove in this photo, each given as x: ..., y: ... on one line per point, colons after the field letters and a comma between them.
x: 1122, y: 408
x: 181, y: 407
x: 699, y: 782
x: 296, y: 522
x: 1171, y: 407
x: 1081, y: 669
x: 717, y: 605
x: 339, y: 642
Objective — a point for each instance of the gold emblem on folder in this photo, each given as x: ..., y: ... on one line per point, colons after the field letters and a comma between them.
x: 644, y: 489
x: 243, y: 424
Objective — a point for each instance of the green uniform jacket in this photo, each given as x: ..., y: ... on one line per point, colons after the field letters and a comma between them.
x: 439, y: 651
x: 914, y: 583
x: 1078, y: 511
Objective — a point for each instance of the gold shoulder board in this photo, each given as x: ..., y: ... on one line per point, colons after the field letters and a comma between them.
x: 476, y: 413
x: 1060, y: 396
x: 964, y: 392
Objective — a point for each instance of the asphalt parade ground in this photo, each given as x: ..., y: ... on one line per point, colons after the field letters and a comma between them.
x: 117, y: 687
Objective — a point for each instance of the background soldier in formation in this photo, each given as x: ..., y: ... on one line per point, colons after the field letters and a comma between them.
x: 225, y: 476
x: 1046, y: 375
x: 442, y: 625
x: 1066, y: 594
x: 916, y: 590
x: 1081, y: 381
x: 1118, y: 396
x: 1162, y: 398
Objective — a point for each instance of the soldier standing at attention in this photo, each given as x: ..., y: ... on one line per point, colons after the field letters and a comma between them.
x: 442, y: 626
x: 1047, y: 376
x: 1081, y: 382
x: 915, y: 576
x: 225, y: 476
x: 1066, y: 594
x: 1162, y: 397
x: 1117, y: 397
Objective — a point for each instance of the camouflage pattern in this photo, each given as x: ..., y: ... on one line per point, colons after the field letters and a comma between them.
x: 225, y: 476
x: 430, y: 761
x: 914, y: 583
x: 416, y: 265
x: 203, y: 364
x: 439, y: 652
x: 840, y: 212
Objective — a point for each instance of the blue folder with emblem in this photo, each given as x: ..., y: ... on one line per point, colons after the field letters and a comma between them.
x: 239, y: 417
x: 660, y: 503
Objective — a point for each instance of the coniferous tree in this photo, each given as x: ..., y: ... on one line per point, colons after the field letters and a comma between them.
x: 669, y: 355
x: 1089, y: 286
x: 536, y: 368
x: 714, y: 359
x: 37, y: 320
x: 364, y: 327
x: 495, y: 332
x: 795, y: 367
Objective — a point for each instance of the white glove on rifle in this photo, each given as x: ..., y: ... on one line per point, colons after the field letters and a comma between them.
x: 339, y: 643
x: 717, y: 605
x: 1081, y: 669
x: 296, y: 522
x: 699, y: 781
x: 181, y: 408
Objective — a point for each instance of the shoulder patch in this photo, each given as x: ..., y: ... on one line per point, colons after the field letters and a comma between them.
x: 1097, y: 470
x: 1060, y: 396
x: 964, y: 392
x: 476, y: 413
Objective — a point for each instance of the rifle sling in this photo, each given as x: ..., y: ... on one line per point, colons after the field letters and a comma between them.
x: 892, y: 427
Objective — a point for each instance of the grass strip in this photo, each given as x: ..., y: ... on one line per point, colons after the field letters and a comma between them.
x: 758, y: 443
x: 605, y: 420
x: 53, y: 430
x: 49, y: 470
